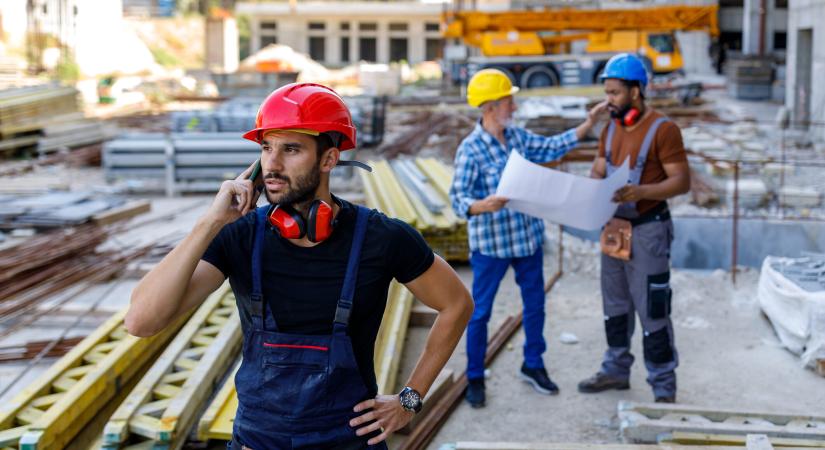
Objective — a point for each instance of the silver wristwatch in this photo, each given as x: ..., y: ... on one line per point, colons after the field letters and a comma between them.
x: 410, y: 400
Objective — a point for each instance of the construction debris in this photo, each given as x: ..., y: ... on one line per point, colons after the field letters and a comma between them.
x: 651, y: 422
x: 792, y: 294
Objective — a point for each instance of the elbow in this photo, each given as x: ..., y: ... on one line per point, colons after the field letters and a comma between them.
x: 467, y: 308
x: 139, y: 324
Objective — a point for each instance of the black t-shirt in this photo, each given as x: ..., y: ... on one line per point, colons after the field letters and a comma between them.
x: 301, y: 285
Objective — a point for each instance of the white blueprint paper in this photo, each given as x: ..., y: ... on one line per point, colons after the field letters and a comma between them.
x: 560, y: 197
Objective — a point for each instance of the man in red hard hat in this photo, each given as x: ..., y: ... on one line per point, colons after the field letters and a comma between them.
x: 310, y: 273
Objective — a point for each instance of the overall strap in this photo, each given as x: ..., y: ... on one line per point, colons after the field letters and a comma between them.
x: 645, y: 149
x: 257, y: 306
x: 342, y: 312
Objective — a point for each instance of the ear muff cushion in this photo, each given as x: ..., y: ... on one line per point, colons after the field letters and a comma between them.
x: 631, y: 117
x: 287, y: 221
x: 319, y: 221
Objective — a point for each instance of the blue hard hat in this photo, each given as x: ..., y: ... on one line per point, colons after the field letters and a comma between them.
x: 625, y: 66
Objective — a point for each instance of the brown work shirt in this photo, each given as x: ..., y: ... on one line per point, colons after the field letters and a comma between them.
x: 666, y: 148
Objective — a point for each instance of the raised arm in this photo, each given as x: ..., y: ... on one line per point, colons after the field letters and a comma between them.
x: 181, y: 280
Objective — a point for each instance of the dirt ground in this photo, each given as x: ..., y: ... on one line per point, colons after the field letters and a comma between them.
x: 729, y: 358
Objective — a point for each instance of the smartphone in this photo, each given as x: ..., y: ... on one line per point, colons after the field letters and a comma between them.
x: 256, y: 172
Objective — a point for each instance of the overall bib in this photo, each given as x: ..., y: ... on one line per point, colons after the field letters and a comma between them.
x: 298, y: 391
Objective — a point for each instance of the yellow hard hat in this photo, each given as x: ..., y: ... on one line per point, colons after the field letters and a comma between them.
x: 488, y: 85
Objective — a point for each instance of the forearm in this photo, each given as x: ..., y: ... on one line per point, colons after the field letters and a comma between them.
x: 583, y: 129
x: 669, y: 188
x: 158, y: 297
x: 441, y: 342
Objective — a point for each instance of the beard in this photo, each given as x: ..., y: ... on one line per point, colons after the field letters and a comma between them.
x: 619, y: 112
x: 301, y: 191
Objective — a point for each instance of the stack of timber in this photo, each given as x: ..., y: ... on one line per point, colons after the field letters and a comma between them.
x: 417, y: 192
x: 47, y: 118
x: 161, y: 409
x: 216, y: 422
x: 53, y: 409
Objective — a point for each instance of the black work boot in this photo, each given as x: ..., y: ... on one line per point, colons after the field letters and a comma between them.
x: 602, y: 382
x: 539, y: 379
x: 475, y: 395
x: 666, y: 399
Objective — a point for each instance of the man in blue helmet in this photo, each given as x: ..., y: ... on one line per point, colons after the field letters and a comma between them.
x: 635, y: 262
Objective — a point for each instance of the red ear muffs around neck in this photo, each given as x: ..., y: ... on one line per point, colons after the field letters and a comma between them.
x: 287, y: 221
x: 290, y: 224
x: 631, y: 117
x: 319, y: 221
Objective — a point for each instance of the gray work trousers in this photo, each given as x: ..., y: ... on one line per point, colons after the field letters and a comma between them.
x: 641, y: 285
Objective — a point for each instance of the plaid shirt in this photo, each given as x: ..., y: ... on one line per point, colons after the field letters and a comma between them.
x: 479, y: 162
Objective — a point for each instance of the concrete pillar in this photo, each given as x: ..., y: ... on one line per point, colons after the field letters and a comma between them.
x: 333, y: 42
x: 383, y: 44
x: 293, y: 32
x: 751, y: 26
x: 417, y: 39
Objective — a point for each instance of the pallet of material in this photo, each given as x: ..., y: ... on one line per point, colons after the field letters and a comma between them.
x: 29, y: 108
x: 49, y: 412
x: 56, y: 209
x: 187, y: 162
x: 647, y: 422
x: 417, y: 192
x: 161, y: 409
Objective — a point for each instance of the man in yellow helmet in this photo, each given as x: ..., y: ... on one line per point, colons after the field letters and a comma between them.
x: 500, y: 238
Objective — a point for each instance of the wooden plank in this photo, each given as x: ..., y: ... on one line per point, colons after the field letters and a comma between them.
x: 127, y: 211
x: 216, y: 423
x: 571, y: 446
x: 389, y: 343
x: 686, y: 438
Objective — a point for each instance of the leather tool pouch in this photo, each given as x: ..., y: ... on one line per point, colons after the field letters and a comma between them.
x: 616, y: 238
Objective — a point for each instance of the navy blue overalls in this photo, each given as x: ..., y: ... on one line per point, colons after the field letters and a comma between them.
x: 298, y: 391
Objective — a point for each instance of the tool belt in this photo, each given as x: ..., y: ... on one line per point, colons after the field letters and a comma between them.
x: 617, y: 236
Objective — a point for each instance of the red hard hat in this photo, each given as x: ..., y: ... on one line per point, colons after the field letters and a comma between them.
x: 306, y: 106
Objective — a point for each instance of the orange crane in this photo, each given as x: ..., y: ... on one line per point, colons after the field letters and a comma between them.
x: 538, y: 48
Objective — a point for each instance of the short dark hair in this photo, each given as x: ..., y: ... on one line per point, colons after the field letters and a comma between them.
x: 326, y: 141
x: 630, y: 84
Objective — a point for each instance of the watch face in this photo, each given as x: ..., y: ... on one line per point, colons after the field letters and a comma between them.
x: 410, y: 400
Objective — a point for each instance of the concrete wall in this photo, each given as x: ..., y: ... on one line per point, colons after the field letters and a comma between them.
x: 806, y: 15
x: 707, y: 243
x: 292, y: 27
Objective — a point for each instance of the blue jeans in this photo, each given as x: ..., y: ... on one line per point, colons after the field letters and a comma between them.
x: 487, y: 274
